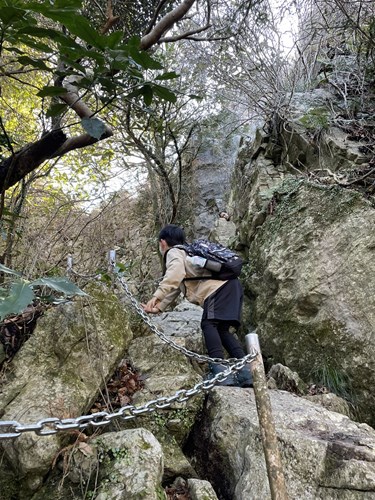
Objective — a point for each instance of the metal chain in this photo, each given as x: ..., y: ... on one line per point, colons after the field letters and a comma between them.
x: 98, y: 275
x: 183, y: 350
x: 86, y: 276
x: 53, y: 425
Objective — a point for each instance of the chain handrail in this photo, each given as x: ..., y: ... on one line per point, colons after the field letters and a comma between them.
x: 183, y: 350
x: 52, y: 425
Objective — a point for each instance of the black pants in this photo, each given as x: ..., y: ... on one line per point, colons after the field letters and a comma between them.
x: 221, y: 310
x: 217, y: 338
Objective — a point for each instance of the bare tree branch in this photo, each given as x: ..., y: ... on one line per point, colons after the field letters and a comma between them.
x: 111, y: 19
x: 30, y: 157
x: 185, y: 35
x: 166, y: 24
x: 155, y: 16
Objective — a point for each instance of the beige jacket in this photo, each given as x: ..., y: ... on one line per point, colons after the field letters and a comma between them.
x: 177, y: 268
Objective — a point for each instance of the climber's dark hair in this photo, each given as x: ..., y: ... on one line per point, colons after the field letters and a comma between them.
x: 172, y: 234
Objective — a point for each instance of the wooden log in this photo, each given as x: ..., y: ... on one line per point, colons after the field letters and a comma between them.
x: 266, y: 423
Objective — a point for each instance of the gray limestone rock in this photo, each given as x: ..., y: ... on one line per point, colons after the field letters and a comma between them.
x: 310, y: 275
x: 331, y: 402
x: 131, y: 466
x: 224, y: 232
x: 123, y: 465
x: 286, y: 379
x: 312, y: 270
x: 166, y: 371
x: 200, y: 490
x: 74, y: 349
x: 324, y: 454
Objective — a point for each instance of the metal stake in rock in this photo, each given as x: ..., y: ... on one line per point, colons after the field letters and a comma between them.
x: 266, y: 424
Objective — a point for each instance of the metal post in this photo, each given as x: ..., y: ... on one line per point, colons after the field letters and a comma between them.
x: 266, y: 424
x: 69, y: 264
x: 111, y: 266
x: 111, y: 260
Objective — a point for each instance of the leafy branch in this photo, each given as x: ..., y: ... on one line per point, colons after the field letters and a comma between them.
x: 22, y: 292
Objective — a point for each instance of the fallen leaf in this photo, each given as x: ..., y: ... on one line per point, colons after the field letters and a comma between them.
x: 86, y: 449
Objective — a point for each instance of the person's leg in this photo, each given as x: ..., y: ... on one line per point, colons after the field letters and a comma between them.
x: 215, y: 350
x: 212, y: 338
x: 235, y: 350
x: 229, y: 341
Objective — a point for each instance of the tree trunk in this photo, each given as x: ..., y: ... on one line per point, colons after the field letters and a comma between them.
x: 15, y: 168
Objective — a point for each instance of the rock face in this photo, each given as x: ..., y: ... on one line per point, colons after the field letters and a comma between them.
x: 311, y: 249
x: 166, y: 371
x: 123, y: 465
x: 325, y: 455
x: 310, y: 114
x: 213, y: 168
x: 130, y: 465
x: 313, y: 270
x: 73, y: 351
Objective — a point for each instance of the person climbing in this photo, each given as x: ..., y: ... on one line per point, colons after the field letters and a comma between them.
x: 224, y: 215
x: 221, y: 301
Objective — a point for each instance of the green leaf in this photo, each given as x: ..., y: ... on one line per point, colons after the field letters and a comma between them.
x: 51, y: 91
x: 5, y: 269
x: 134, y: 41
x: 57, y: 12
x: 105, y: 278
x: 68, y: 59
x: 114, y: 39
x: 10, y: 14
x: 15, y: 50
x: 68, y: 16
x: 108, y: 85
x: 164, y: 93
x: 96, y: 56
x: 60, y: 284
x: 75, y: 4
x: 36, y: 63
x: 168, y: 76
x: 12, y: 215
x: 21, y: 295
x: 144, y: 59
x: 38, y: 45
x: 54, y: 35
x: 120, y: 267
x: 93, y: 126
x: 38, y: 32
x: 147, y: 93
x: 56, y: 109
x: 120, y: 64
x: 134, y: 93
x: 80, y: 26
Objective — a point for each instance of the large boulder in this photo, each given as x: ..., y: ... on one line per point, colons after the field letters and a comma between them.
x: 165, y: 371
x: 312, y: 270
x: 324, y: 454
x: 73, y: 351
x: 124, y: 465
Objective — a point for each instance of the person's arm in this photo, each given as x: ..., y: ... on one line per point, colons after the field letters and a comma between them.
x: 169, y: 288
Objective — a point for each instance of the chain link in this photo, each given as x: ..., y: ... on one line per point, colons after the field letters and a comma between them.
x: 167, y: 340
x: 52, y: 425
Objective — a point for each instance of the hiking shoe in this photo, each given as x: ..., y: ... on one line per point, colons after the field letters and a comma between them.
x: 244, y: 377
x: 215, y: 369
